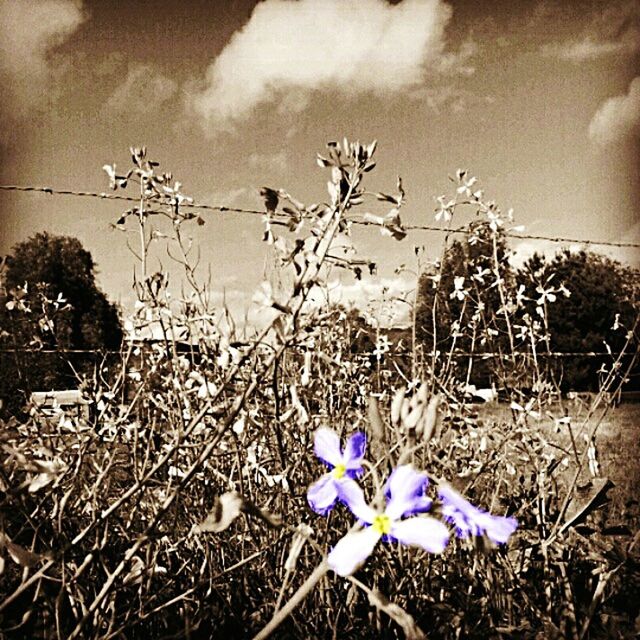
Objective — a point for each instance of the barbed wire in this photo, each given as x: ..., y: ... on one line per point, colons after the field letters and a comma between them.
x: 241, y: 210
x: 455, y: 354
x: 114, y: 196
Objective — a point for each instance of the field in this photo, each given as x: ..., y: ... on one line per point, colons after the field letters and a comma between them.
x: 317, y: 477
x: 618, y: 451
x: 620, y: 455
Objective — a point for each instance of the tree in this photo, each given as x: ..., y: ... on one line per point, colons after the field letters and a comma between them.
x: 601, y: 306
x: 51, y: 302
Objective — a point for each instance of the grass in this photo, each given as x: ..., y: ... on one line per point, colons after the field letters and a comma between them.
x: 617, y: 446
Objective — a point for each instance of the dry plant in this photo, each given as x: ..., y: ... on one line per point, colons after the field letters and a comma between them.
x: 180, y: 506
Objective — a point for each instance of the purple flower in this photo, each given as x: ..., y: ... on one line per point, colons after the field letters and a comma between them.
x: 471, y: 521
x: 344, y: 464
x: 405, y: 489
x: 419, y: 501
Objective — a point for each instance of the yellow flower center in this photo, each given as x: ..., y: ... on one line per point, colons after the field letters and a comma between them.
x: 339, y: 471
x: 382, y: 524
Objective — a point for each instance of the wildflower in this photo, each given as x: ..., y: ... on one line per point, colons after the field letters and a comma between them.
x: 111, y: 172
x: 480, y: 274
x: 495, y: 221
x: 458, y: 288
x: 469, y: 520
x: 415, y: 482
x: 383, y: 345
x: 546, y: 294
x: 522, y: 331
x: 175, y: 195
x: 405, y: 489
x: 344, y: 464
x: 465, y: 183
x: 527, y: 410
x: 446, y: 209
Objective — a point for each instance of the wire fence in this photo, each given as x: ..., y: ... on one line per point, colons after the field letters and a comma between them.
x: 239, y: 210
x: 256, y: 212
x: 393, y: 352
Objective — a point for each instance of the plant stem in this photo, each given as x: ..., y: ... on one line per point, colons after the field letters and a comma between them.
x: 304, y: 590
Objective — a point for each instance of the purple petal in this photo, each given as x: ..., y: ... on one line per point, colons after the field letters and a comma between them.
x: 422, y: 531
x: 405, y: 488
x: 354, y: 451
x: 326, y: 445
x: 451, y: 497
x: 351, y: 494
x: 499, y: 528
x: 464, y: 526
x: 422, y: 504
x: 352, y: 550
x: 322, y: 495
x: 469, y: 520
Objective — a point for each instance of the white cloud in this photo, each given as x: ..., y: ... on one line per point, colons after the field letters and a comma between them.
x: 447, y: 98
x: 589, y: 48
x: 352, y: 46
x: 226, y: 197
x: 380, y: 299
x: 233, y: 296
x: 144, y: 89
x: 523, y: 250
x: 612, y: 29
x: 618, y: 117
x: 278, y: 161
x: 29, y: 33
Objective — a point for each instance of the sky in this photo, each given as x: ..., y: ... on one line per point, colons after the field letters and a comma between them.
x: 538, y: 99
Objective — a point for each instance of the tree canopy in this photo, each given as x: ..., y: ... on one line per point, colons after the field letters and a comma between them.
x: 596, y: 314
x: 581, y: 302
x: 51, y: 302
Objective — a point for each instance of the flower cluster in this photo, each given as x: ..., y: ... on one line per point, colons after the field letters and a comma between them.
x: 403, y: 516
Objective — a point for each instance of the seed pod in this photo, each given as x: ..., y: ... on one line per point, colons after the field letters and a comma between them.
x: 413, y: 418
x: 431, y: 418
x: 376, y: 425
x: 305, y: 378
x: 423, y: 394
x: 405, y: 409
x: 396, y: 405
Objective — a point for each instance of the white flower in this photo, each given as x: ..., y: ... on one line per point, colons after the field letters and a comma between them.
x: 397, y: 522
x: 465, y: 183
x: 111, y: 172
x: 458, y: 291
x: 446, y: 209
x: 383, y: 345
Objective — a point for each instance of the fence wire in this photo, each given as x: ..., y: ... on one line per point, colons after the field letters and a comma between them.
x: 239, y: 210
